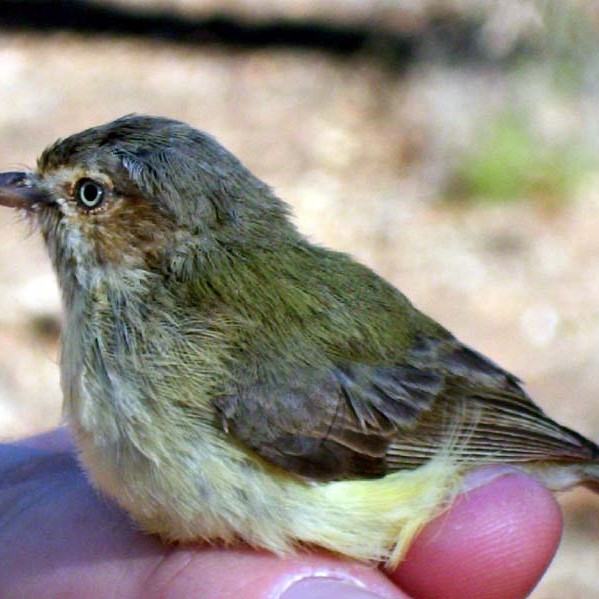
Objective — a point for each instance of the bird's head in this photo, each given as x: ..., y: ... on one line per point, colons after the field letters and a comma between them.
x: 142, y: 194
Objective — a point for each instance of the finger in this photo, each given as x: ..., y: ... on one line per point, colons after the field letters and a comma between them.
x: 494, y: 543
x: 58, y: 439
x: 214, y: 573
x: 58, y: 538
x: 20, y: 460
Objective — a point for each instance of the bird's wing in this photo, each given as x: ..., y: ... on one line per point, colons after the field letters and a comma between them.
x: 352, y: 420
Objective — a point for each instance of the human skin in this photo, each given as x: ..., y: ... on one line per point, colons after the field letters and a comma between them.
x: 59, y: 538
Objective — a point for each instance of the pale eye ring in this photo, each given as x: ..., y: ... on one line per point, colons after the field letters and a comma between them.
x: 89, y: 193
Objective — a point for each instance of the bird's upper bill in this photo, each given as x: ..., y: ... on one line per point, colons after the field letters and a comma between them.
x: 17, y: 190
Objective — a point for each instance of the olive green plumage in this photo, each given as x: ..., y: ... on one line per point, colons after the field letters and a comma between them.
x: 211, y: 351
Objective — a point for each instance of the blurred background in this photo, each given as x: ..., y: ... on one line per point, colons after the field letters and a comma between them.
x: 450, y: 144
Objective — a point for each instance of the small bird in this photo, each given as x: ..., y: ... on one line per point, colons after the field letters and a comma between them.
x: 226, y: 379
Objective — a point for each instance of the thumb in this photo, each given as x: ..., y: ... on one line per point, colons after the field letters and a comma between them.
x: 495, y: 542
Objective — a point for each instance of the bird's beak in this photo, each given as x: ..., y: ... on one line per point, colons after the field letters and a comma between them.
x: 17, y: 190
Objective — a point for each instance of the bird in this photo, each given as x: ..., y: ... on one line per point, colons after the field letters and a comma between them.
x: 226, y: 379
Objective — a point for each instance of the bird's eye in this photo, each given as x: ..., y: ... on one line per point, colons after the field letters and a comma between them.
x: 89, y: 193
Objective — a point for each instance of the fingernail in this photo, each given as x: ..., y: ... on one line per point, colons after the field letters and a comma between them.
x: 327, y: 588
x: 483, y: 476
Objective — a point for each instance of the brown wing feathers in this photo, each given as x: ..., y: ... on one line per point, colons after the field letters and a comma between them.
x: 354, y: 420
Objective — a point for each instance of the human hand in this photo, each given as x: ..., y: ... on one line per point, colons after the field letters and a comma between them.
x: 59, y: 538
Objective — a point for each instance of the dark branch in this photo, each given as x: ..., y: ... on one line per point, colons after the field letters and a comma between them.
x: 450, y: 38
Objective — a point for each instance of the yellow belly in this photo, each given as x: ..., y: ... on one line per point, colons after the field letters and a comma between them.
x: 218, y: 496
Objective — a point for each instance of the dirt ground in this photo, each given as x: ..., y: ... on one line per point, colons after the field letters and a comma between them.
x: 361, y: 155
